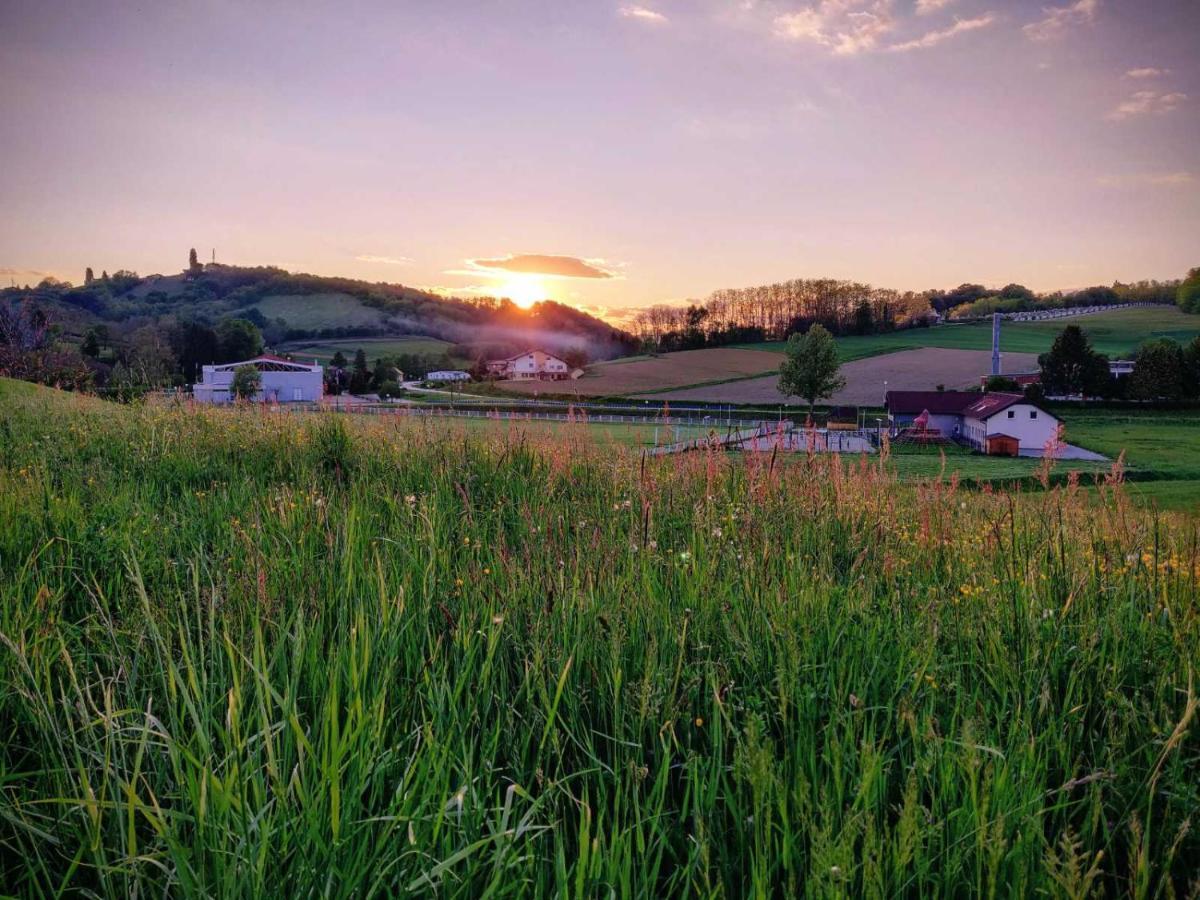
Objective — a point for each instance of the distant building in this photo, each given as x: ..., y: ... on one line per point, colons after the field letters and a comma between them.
x: 991, y: 423
x: 283, y: 381
x: 533, y: 364
x: 448, y: 375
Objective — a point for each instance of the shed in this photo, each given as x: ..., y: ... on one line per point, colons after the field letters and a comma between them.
x: 1003, y: 445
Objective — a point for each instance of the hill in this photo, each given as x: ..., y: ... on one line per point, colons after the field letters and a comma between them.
x: 291, y: 307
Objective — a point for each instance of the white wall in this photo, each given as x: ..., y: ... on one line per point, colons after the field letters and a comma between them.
x: 1032, y: 427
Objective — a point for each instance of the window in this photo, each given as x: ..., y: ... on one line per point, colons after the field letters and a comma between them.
x: 1033, y: 414
x: 297, y: 394
x: 1012, y: 413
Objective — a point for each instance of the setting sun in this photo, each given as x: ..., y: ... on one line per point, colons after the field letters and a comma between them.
x: 523, y: 290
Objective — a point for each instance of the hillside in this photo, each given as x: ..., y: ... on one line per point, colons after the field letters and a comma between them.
x: 290, y: 307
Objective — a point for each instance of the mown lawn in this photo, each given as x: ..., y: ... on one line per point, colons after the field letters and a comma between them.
x: 245, y: 654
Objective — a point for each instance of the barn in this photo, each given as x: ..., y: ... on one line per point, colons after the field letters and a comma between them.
x: 283, y: 381
x: 989, y: 422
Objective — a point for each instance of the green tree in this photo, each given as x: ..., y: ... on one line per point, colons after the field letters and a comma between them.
x: 94, y: 340
x: 1191, y: 370
x: 1002, y: 384
x: 239, y: 339
x: 247, y: 381
x: 194, y: 266
x: 339, y: 360
x: 195, y: 345
x: 360, y: 374
x: 811, y: 370
x: 1188, y: 295
x: 88, y: 275
x: 1158, y: 371
x: 1072, y: 366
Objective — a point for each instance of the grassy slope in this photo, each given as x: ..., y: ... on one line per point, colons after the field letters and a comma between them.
x: 316, y: 311
x: 1116, y: 334
x: 323, y: 351
x: 247, y: 655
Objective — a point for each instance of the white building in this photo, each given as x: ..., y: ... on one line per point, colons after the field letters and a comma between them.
x: 991, y: 423
x: 530, y: 365
x: 448, y: 375
x: 283, y: 381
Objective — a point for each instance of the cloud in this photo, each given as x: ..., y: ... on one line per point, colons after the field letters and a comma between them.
x: 385, y: 260
x: 642, y: 14
x: 25, y: 274
x: 544, y: 264
x: 1142, y: 103
x: 1148, y: 179
x: 1145, y: 73
x: 933, y: 38
x: 925, y: 7
x: 1057, y: 19
x: 845, y: 27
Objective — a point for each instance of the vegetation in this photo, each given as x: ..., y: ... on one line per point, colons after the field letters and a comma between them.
x: 278, y: 655
x: 1116, y: 334
x: 1073, y: 367
x: 247, y: 381
x: 811, y: 368
x: 1188, y: 295
x: 773, y: 312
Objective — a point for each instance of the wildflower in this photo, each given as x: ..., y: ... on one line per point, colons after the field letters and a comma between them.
x: 684, y: 556
x: 699, y: 723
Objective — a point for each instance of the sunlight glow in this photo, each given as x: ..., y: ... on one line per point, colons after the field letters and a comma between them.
x: 523, y: 290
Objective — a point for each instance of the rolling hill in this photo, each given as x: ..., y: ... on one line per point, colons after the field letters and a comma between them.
x: 291, y: 308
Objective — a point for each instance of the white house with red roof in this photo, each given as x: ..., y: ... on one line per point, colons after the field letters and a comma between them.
x: 283, y: 381
x: 533, y: 364
x: 984, y: 421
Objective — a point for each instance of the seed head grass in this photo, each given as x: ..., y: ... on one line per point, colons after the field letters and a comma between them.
x: 258, y: 654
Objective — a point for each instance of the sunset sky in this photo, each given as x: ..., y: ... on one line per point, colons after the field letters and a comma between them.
x: 607, y: 154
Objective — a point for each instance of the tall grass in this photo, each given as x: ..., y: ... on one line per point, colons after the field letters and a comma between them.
x: 251, y: 655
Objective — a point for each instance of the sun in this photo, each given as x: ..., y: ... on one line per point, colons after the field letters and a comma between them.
x: 523, y: 290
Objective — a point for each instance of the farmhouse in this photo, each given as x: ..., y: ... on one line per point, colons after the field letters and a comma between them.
x: 283, y: 381
x: 1000, y: 424
x: 533, y: 364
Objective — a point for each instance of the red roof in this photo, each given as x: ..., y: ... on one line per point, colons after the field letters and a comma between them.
x: 939, y: 403
x: 952, y: 403
x: 990, y: 404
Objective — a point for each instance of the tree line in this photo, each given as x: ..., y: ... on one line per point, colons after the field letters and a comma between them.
x: 775, y: 311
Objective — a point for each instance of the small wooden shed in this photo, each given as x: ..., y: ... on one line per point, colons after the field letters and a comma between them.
x: 1003, y: 445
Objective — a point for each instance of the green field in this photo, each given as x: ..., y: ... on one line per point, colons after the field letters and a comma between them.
x: 375, y: 348
x: 259, y: 654
x: 1116, y: 334
x: 316, y: 311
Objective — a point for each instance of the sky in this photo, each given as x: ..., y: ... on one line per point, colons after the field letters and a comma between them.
x: 610, y: 155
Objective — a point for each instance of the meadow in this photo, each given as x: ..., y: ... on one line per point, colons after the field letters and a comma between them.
x: 1116, y: 334
x: 249, y: 654
x: 375, y: 348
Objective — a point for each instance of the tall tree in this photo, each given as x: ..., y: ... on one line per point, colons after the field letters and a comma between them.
x: 1188, y: 295
x: 194, y: 267
x: 239, y: 339
x: 1158, y: 371
x: 1072, y: 366
x: 360, y: 375
x: 88, y: 275
x: 195, y: 345
x: 811, y: 370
